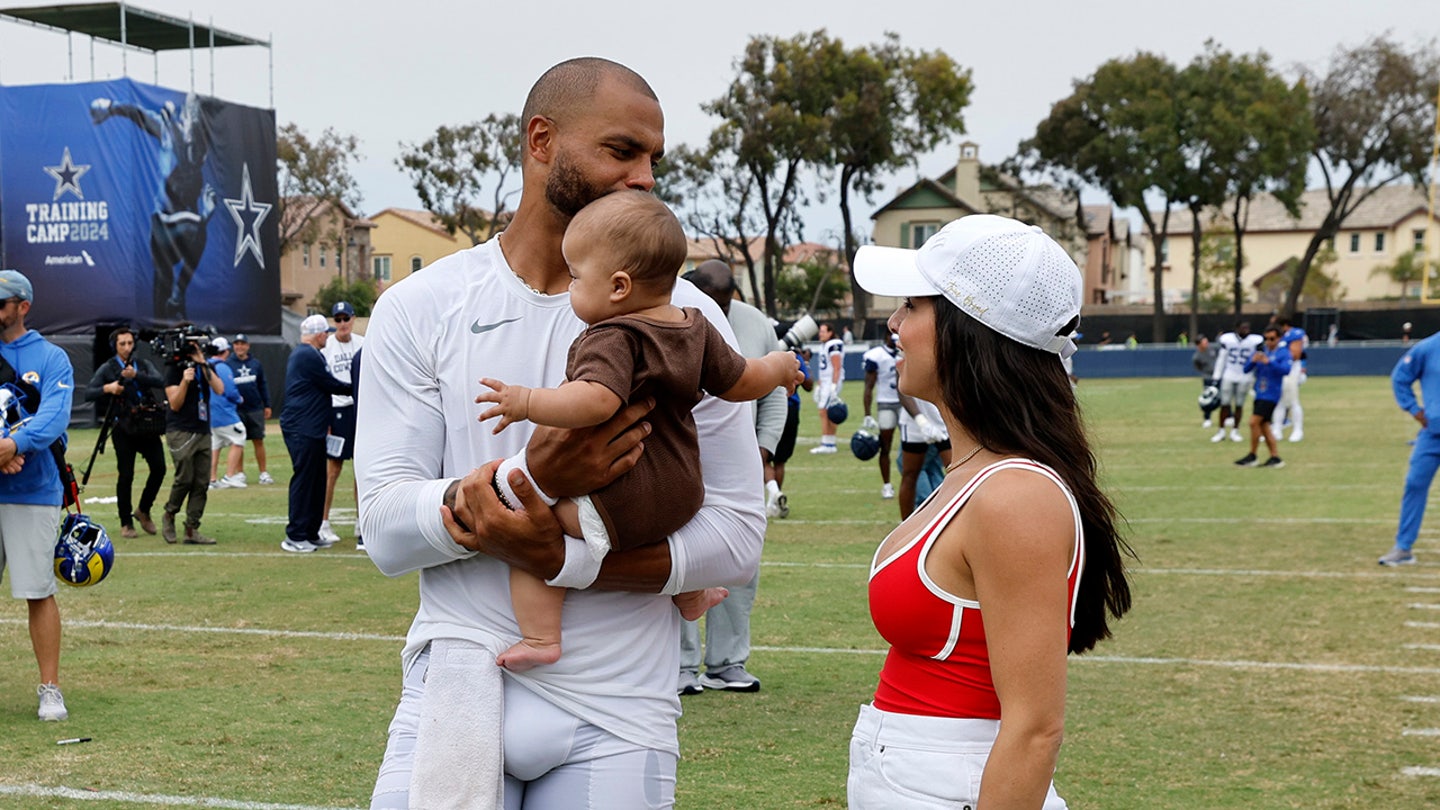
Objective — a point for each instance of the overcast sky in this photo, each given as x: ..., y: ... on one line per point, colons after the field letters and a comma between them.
x: 396, y: 75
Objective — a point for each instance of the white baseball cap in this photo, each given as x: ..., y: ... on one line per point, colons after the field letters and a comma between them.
x: 1008, y: 275
x: 220, y: 344
x: 315, y: 325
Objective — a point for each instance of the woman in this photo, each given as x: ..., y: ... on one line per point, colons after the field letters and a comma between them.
x: 1018, y: 526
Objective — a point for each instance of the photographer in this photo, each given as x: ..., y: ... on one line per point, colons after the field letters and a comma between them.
x: 189, y: 383
x: 122, y: 389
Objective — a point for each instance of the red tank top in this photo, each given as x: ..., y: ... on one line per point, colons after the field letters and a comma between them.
x: 938, y: 663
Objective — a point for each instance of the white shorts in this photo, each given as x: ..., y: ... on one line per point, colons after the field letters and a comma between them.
x: 227, y: 436
x: 921, y: 763
x: 553, y: 761
x: 27, y: 548
x: 887, y: 414
x: 1234, y: 391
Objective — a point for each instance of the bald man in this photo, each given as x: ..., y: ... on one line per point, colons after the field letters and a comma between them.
x: 727, y: 625
x: 596, y: 729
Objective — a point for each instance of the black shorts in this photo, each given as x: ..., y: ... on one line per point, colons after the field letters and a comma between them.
x: 922, y: 447
x: 1264, y: 408
x: 342, y: 424
x: 785, y: 448
x: 254, y: 422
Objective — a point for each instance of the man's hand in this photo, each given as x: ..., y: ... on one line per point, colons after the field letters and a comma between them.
x: 8, y: 452
x: 870, y: 424
x: 512, y: 403
x: 128, y: 372
x: 113, y: 388
x: 1420, y: 417
x: 267, y: 413
x: 188, y: 375
x: 527, y: 538
x: 932, y: 432
x: 567, y: 462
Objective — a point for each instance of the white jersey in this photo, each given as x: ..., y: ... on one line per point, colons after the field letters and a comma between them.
x: 909, y: 432
x: 832, y: 357
x: 338, y: 357
x: 431, y: 338
x: 1235, y: 351
x: 881, y: 360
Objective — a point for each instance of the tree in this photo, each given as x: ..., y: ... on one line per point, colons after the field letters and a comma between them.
x: 449, y: 173
x: 1321, y: 287
x: 1217, y: 260
x: 774, y: 120
x: 1119, y: 131
x: 893, y: 104
x: 1373, y: 113
x: 713, y: 197
x: 313, y: 175
x: 360, y: 293
x: 1407, y: 269
x: 815, y: 285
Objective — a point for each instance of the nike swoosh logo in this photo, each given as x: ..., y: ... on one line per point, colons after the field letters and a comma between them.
x: 61, y: 385
x: 479, y: 330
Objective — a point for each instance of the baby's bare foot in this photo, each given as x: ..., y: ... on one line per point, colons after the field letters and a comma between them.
x: 693, y: 604
x: 528, y: 654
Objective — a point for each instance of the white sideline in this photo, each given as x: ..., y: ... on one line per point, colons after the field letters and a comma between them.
x: 42, y: 791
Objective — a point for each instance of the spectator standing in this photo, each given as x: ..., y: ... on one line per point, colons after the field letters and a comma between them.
x: 1204, y: 361
x: 829, y: 378
x: 254, y: 400
x: 340, y: 349
x: 227, y: 432
x: 1421, y: 364
x: 305, y: 420
x: 120, y: 383
x: 190, y: 387
x: 881, y: 387
x: 30, y: 490
x: 727, y: 625
x: 1269, y: 365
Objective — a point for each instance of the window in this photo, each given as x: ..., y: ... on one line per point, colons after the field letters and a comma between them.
x: 1419, y: 236
x: 338, y: 264
x: 322, y: 257
x: 1380, y: 242
x: 305, y: 257
x: 416, y: 263
x: 380, y: 268
x: 920, y: 231
x: 1165, y: 251
x: 1354, y: 243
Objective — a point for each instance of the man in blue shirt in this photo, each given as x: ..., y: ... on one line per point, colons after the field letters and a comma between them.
x: 1269, y: 364
x: 30, y: 491
x: 254, y: 400
x: 227, y: 434
x: 305, y: 422
x: 1425, y: 458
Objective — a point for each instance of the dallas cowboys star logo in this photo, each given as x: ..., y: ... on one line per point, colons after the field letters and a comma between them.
x: 67, y: 176
x: 247, y: 238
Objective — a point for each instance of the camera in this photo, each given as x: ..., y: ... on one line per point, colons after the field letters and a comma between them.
x: 178, y: 346
x: 802, y: 330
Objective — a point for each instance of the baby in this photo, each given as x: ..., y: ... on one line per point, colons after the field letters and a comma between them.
x: 625, y: 251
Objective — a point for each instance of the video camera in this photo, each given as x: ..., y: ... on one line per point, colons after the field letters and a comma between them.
x: 176, y: 346
x: 802, y: 330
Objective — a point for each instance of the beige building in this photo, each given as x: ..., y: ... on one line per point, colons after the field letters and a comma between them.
x: 331, y: 241
x: 406, y: 240
x: 971, y: 187
x: 1393, y: 221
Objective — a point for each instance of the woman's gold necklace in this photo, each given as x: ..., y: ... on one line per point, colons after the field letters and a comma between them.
x: 967, y: 457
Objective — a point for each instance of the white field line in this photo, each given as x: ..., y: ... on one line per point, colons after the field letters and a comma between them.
x: 1421, y: 732
x: 1421, y: 699
x: 151, y: 799
x: 1417, y: 771
x: 1423, y: 606
x: 1421, y: 647
x: 1422, y: 590
x: 1103, y: 659
x: 1424, y: 625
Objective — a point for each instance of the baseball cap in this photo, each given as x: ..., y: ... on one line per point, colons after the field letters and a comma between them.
x: 14, y: 284
x: 1003, y: 273
x: 342, y: 308
x: 240, y: 338
x: 220, y: 344
x: 315, y: 325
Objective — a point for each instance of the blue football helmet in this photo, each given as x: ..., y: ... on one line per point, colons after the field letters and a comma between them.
x: 865, y: 445
x: 837, y: 411
x: 84, y: 554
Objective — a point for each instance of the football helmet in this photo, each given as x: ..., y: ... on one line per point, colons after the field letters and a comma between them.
x: 837, y: 411
x: 84, y: 554
x: 864, y: 444
x: 1210, y: 397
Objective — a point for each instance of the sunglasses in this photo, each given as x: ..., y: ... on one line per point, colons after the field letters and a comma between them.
x: 341, y: 318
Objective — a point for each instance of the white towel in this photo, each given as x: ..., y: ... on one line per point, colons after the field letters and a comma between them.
x: 459, y: 752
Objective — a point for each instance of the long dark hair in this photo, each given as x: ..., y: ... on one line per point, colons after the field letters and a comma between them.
x: 1018, y: 400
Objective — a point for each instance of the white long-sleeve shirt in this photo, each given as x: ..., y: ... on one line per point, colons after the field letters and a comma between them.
x: 430, y: 340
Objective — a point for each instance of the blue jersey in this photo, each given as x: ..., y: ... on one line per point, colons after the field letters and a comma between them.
x: 1415, y: 366
x: 1268, y: 376
x: 1295, y: 335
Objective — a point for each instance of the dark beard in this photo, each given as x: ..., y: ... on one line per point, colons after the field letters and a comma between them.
x: 567, y: 190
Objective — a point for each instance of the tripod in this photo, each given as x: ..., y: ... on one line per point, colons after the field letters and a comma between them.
x: 100, y: 443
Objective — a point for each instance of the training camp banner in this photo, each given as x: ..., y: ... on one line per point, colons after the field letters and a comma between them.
x: 130, y: 203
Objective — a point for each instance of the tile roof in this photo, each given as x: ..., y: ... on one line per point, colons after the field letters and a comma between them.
x: 1383, y: 209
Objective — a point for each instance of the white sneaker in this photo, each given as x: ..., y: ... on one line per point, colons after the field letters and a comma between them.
x: 887, y: 492
x: 1297, y: 435
x: 823, y: 449
x: 236, y: 481
x: 1218, y: 437
x: 1235, y: 436
x: 298, y: 546
x: 52, y: 703
x: 265, y: 478
x: 221, y: 484
x: 782, y: 504
x: 1206, y: 423
x: 772, y: 505
x: 328, y: 537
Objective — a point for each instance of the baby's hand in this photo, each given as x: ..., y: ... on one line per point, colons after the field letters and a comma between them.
x: 512, y: 402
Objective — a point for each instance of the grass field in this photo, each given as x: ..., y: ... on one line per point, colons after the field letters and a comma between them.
x: 1268, y: 663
